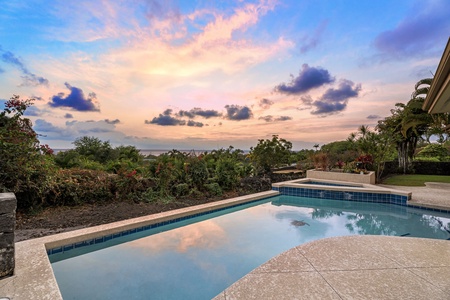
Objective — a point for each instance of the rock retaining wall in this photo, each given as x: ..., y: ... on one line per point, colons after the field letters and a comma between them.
x: 8, y: 204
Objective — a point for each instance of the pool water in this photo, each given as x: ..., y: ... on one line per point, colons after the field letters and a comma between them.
x: 207, y: 254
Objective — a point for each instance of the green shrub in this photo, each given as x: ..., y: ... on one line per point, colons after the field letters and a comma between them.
x: 425, y: 158
x: 213, y: 189
x: 196, y: 194
x: 227, y: 173
x: 76, y: 186
x: 131, y: 186
x: 196, y: 170
x: 181, y: 189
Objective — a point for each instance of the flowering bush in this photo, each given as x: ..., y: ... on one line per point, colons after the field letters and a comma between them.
x: 364, y: 161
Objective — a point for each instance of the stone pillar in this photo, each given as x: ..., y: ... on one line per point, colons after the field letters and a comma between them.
x: 8, y: 205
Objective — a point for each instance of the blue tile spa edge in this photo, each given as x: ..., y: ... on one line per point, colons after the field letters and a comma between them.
x: 388, y: 198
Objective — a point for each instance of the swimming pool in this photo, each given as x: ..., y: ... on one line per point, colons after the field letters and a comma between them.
x: 208, y: 253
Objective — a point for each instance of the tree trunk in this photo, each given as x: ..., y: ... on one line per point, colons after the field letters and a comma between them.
x: 403, y: 160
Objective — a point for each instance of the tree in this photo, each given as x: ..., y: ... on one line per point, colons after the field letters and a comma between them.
x: 270, y: 153
x: 377, y: 145
x: 24, y: 165
x: 128, y: 153
x: 340, y: 152
x: 436, y: 151
x: 94, y: 149
x: 407, y: 124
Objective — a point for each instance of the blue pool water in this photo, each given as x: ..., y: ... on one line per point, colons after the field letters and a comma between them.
x: 198, y: 258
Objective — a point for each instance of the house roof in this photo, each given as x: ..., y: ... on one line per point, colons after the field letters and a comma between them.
x: 438, y: 98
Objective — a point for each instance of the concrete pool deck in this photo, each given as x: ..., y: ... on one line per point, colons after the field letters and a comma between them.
x: 356, y: 267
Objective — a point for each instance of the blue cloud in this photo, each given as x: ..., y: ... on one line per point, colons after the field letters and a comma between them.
x: 112, y: 122
x: 336, y: 100
x: 33, y: 111
x: 308, y: 79
x: 238, y: 113
x: 68, y: 116
x: 41, y: 125
x: 312, y: 41
x: 29, y: 79
x: 265, y: 103
x: 165, y: 120
x: 373, y: 117
x: 196, y: 111
x: 75, y: 100
x: 194, y: 124
x: 418, y: 33
x: 270, y: 118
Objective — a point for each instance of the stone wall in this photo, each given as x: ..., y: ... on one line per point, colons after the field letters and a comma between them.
x: 8, y: 205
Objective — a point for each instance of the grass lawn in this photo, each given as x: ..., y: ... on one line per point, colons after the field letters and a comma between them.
x: 415, y: 180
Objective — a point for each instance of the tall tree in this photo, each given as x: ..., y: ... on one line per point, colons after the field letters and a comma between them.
x: 270, y: 153
x: 407, y: 124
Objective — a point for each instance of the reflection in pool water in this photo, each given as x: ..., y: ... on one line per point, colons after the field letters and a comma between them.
x: 202, y: 258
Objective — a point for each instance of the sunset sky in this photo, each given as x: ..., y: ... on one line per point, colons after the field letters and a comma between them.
x: 200, y: 74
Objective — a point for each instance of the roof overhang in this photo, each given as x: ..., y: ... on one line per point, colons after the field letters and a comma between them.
x: 438, y: 97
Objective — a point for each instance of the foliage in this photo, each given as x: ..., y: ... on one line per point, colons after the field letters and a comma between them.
x: 25, y: 165
x: 181, y: 190
x: 340, y: 152
x: 93, y: 148
x: 409, y: 123
x: 302, y: 155
x: 375, y: 148
x: 213, y: 189
x: 268, y: 154
x: 364, y: 161
x: 415, y: 180
x: 321, y: 161
x: 227, y: 173
x: 76, y: 186
x: 127, y: 153
x: 440, y: 152
x: 428, y: 159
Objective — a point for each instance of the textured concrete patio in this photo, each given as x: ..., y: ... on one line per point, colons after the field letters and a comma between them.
x: 352, y: 267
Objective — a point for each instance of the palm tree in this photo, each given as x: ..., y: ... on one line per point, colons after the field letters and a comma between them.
x: 408, y: 123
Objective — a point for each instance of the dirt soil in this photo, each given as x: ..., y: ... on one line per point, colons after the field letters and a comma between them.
x: 54, y: 220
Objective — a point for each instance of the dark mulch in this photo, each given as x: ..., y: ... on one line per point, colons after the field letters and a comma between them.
x: 53, y: 220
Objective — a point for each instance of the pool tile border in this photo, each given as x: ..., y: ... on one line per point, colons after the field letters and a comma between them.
x: 363, y: 196
x: 105, y: 238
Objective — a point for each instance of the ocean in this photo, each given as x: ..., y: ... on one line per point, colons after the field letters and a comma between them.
x: 157, y: 152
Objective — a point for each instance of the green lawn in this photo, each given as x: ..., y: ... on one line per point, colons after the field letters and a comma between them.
x: 415, y: 180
